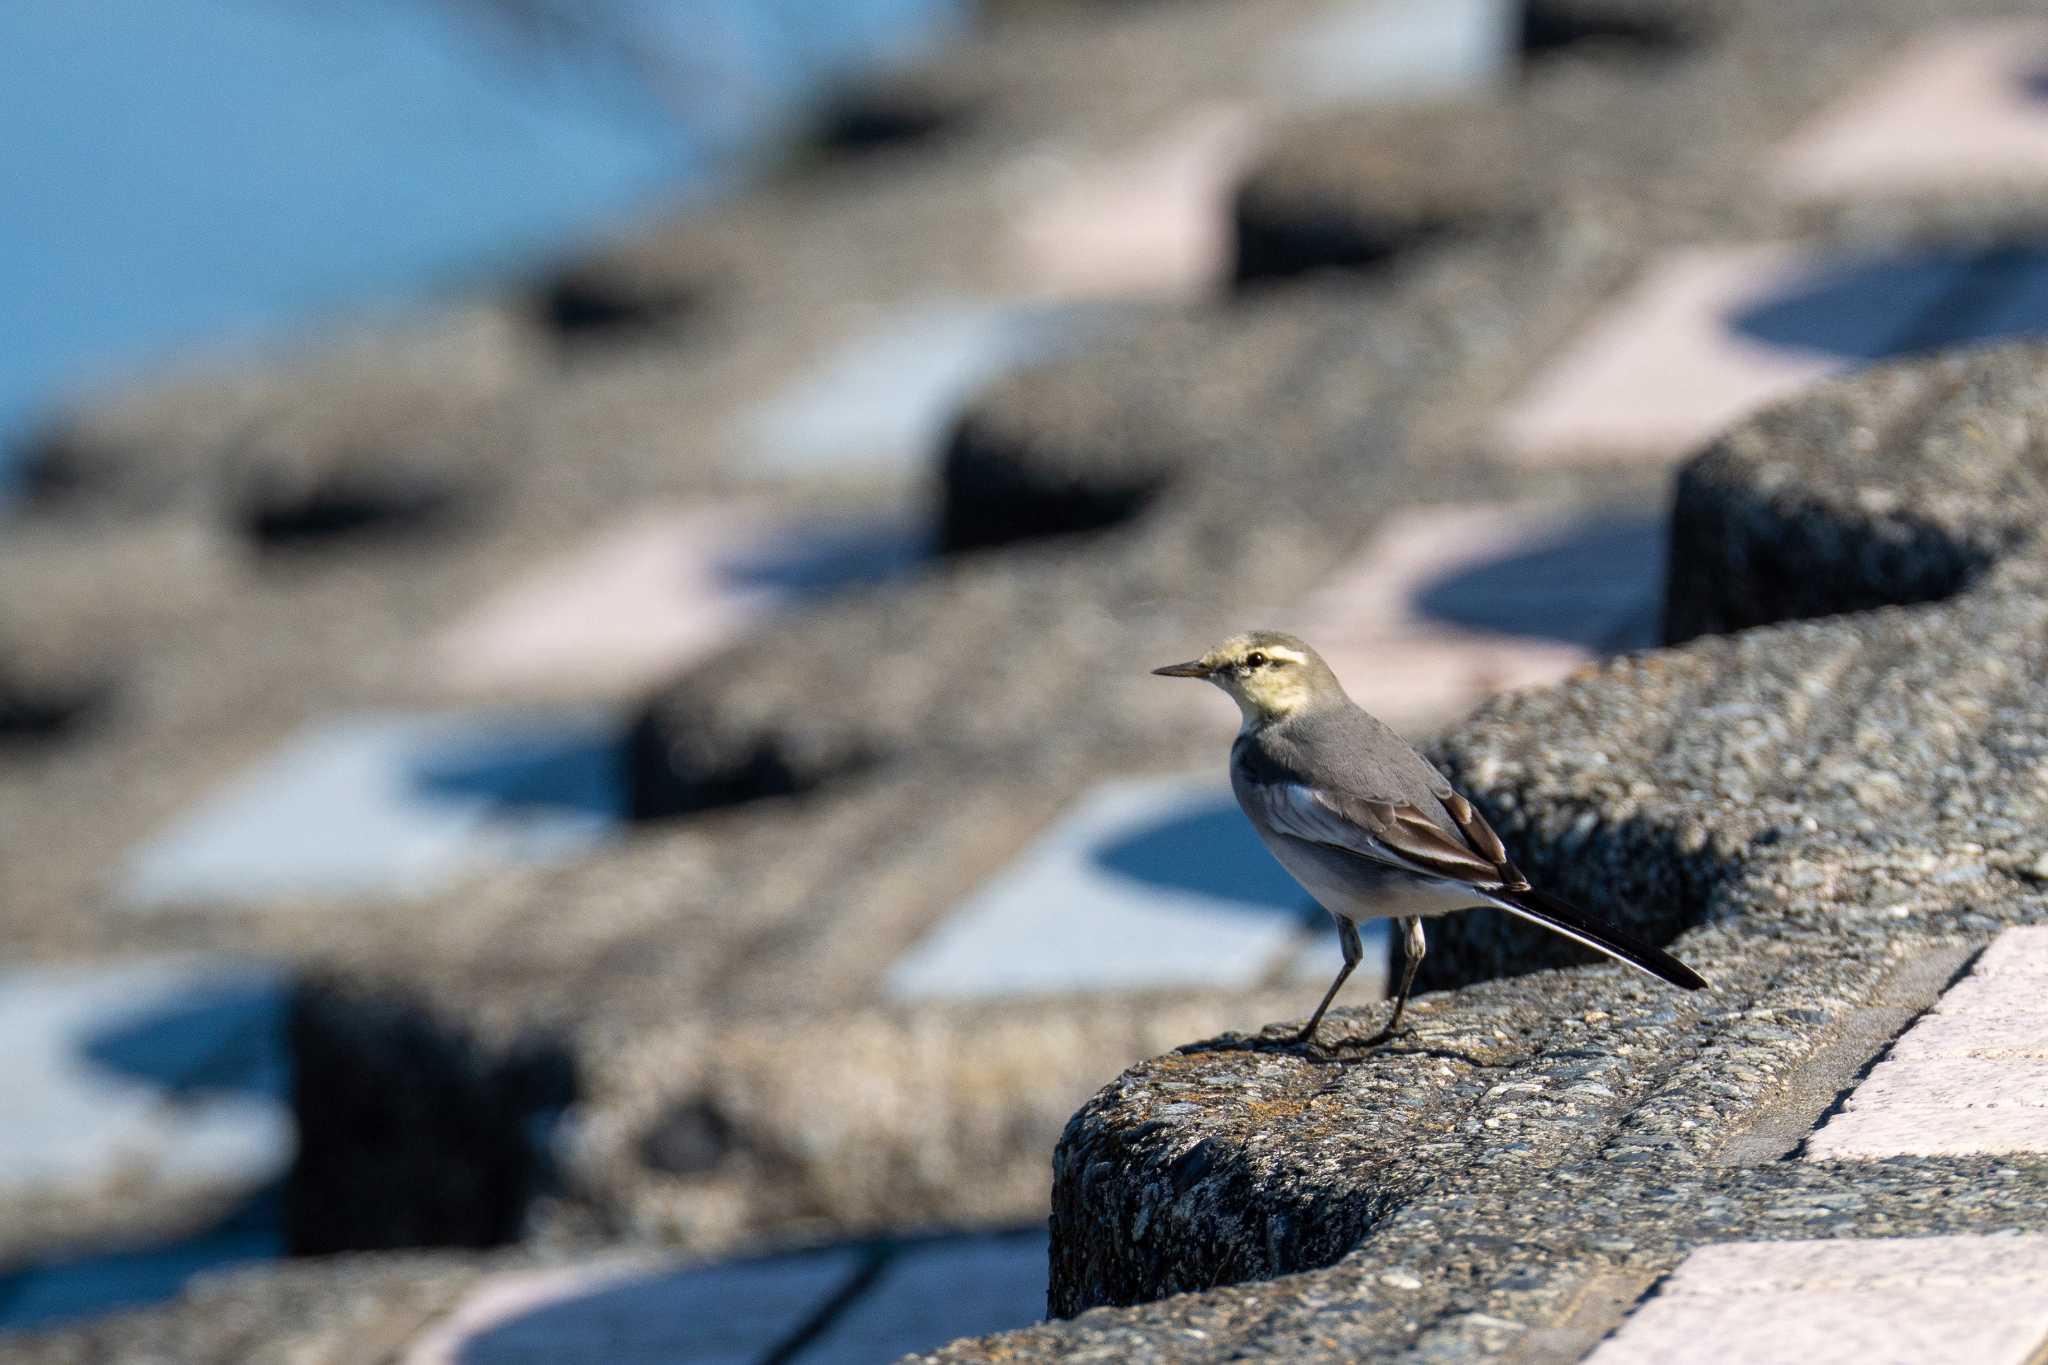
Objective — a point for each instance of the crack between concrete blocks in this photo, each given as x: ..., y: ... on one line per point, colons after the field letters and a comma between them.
x: 1601, y: 1304
x: 806, y: 1333
x: 1820, y: 1085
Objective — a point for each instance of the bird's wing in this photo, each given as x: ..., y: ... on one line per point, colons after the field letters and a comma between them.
x: 1392, y: 832
x: 1405, y: 837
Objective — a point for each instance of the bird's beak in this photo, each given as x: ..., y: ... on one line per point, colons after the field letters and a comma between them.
x: 1192, y: 669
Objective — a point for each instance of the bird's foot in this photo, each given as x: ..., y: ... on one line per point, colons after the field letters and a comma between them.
x: 1380, y: 1039
x: 1341, y: 1049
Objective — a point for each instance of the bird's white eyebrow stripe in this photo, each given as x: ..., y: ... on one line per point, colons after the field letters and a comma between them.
x: 1282, y: 652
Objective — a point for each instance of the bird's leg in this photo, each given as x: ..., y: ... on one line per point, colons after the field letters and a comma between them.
x: 1354, y: 952
x: 1413, y: 949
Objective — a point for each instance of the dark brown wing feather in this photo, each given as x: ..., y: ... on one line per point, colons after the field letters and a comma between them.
x: 1484, y: 841
x: 1414, y: 838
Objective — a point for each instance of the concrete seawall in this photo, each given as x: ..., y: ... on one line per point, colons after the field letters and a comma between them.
x: 1834, y: 817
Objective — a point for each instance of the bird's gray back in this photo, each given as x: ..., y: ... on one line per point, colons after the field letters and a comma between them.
x: 1346, y: 751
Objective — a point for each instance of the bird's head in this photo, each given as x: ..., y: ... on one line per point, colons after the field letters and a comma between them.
x: 1270, y: 675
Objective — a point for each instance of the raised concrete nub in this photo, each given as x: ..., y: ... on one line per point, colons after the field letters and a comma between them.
x: 1362, y: 190
x: 1898, y: 486
x: 1013, y: 468
x: 374, y: 430
x: 1810, y: 801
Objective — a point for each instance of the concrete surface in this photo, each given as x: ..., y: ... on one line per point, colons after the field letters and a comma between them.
x: 654, y: 594
x: 884, y: 397
x: 145, y: 1073
x: 388, y: 805
x: 1143, y: 883
x: 1959, y: 106
x: 1941, y: 1300
x: 1663, y: 369
x: 1387, y: 50
x: 1969, y: 1076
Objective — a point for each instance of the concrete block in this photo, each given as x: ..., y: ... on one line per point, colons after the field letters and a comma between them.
x: 1709, y: 334
x: 1146, y: 882
x: 883, y: 400
x: 645, y: 599
x: 388, y: 805
x: 1928, y: 1300
x: 1961, y: 108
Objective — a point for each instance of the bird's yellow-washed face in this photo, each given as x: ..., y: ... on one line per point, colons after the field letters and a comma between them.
x: 1267, y: 680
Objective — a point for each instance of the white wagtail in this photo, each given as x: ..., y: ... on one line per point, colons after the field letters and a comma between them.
x: 1366, y: 824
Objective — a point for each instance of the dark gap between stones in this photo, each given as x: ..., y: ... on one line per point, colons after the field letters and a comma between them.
x: 277, y: 515
x: 885, y: 115
x: 590, y: 303
x: 995, y: 490
x: 413, y: 1132
x: 1870, y: 1063
x: 1549, y: 27
x: 1276, y: 242
x: 34, y: 713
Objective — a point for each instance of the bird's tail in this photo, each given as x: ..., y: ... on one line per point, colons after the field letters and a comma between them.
x: 1580, y: 927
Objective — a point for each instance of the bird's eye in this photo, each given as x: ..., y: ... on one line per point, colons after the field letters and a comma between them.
x: 1254, y: 660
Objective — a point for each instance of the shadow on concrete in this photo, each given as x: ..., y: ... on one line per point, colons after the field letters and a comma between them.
x: 414, y: 1131
x: 577, y: 770
x: 54, y: 1292
x: 818, y: 560
x: 280, y: 513
x: 1209, y: 852
x: 38, y: 711
x: 1577, y: 586
x: 834, y: 1305
x: 227, y: 1037
x: 1851, y: 310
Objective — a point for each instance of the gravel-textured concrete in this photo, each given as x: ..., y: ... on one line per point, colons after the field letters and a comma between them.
x: 372, y: 431
x: 1227, y: 455
x: 1465, y: 1273
x: 978, y: 695
x: 1816, y: 805
x: 916, y: 1116
x: 1901, y: 487
x: 1356, y: 191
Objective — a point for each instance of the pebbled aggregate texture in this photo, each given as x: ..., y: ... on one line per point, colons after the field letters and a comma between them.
x: 1192, y: 467
x: 976, y: 697
x: 1808, y: 807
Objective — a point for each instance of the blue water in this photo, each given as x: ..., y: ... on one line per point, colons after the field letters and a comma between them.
x: 198, y: 171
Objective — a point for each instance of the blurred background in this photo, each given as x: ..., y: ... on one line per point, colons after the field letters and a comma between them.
x: 578, y: 771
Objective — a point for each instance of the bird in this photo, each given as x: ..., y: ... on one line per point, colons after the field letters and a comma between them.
x: 1367, y: 825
